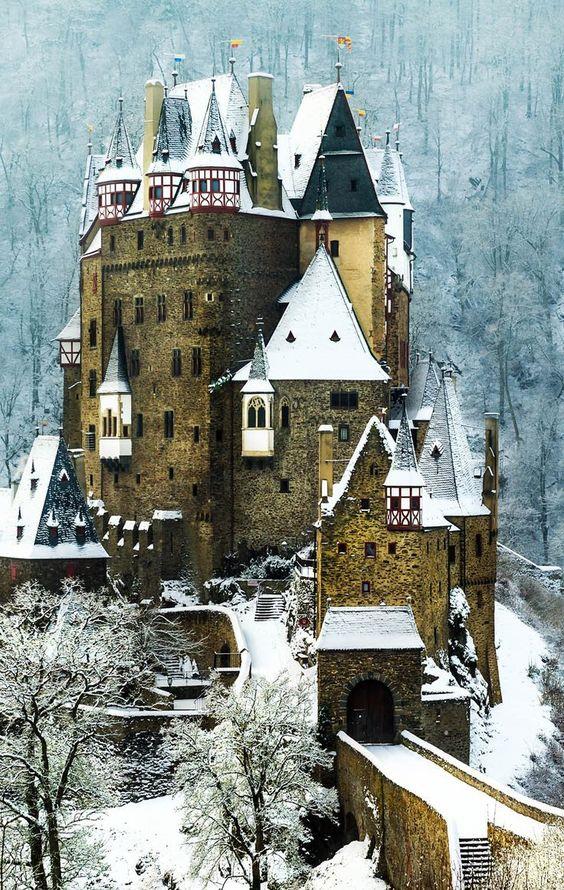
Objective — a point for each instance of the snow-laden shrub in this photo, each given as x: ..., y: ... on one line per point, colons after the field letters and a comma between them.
x: 536, y: 867
x: 272, y: 566
x: 462, y: 651
x: 224, y: 590
x: 302, y: 646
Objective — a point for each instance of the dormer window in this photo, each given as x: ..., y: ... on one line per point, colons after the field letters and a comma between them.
x: 63, y: 477
x: 437, y: 449
x: 334, y: 337
x: 297, y: 161
x: 233, y: 142
x: 290, y: 338
x: 216, y: 146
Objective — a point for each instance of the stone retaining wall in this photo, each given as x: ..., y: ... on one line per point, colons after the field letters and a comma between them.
x: 512, y: 564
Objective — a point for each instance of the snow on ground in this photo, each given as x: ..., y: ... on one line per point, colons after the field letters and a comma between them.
x: 349, y: 869
x: 144, y: 843
x: 270, y: 651
x: 504, y: 744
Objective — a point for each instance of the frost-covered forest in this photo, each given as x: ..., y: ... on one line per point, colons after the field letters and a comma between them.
x: 477, y: 89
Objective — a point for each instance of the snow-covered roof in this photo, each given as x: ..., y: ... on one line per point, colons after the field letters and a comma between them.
x: 231, y: 104
x: 96, y: 244
x: 319, y: 337
x: 48, y: 496
x: 173, y: 136
x: 341, y: 487
x: 304, y: 138
x: 120, y: 161
x: 369, y: 627
x: 423, y: 389
x: 89, y: 208
x: 116, y: 378
x: 446, y: 461
x: 386, y: 167
x: 404, y: 469
x: 258, y: 375
x: 71, y: 330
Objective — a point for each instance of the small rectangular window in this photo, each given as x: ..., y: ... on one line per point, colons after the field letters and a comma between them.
x: 354, y: 185
x: 138, y: 479
x: 334, y: 248
x: 92, y: 387
x: 285, y: 417
x: 92, y: 332
x: 196, y: 434
x: 370, y: 550
x: 341, y: 548
x: 91, y: 437
x: 140, y: 239
x: 365, y: 503
x: 183, y: 234
x: 117, y: 312
x: 196, y: 361
x: 451, y: 554
x: 392, y: 548
x: 339, y: 130
x: 188, y: 306
x: 112, y: 243
x: 135, y: 363
x: 139, y: 310
x: 285, y: 486
x: 169, y: 424
x: 211, y: 234
x: 209, y: 298
x: 226, y: 235
x: 170, y: 236
x: 161, y: 307
x: 139, y: 426
x: 219, y: 434
x: 195, y: 490
x: 478, y: 545
x: 176, y: 363
x: 365, y: 586
x: 171, y: 473
x: 344, y: 432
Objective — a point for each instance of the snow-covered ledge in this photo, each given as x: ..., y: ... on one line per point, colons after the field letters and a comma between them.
x: 512, y: 563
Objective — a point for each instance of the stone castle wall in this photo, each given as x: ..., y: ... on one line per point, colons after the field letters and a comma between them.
x: 50, y: 572
x: 445, y: 722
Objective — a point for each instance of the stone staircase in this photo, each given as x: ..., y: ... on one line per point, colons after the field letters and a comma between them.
x: 269, y: 605
x: 476, y: 860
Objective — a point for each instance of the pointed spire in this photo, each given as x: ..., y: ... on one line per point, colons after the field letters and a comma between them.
x: 338, y: 65
x: 404, y: 469
x: 232, y: 61
x: 213, y: 137
x: 322, y: 199
x: 259, y: 364
x: 120, y: 152
x: 388, y: 181
x: 116, y: 378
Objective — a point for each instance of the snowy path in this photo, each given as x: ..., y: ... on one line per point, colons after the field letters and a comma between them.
x: 516, y: 724
x: 269, y: 648
x: 465, y: 807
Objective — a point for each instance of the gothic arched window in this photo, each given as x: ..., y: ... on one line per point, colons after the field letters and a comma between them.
x: 256, y: 413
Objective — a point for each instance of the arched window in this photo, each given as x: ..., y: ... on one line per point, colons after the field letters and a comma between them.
x: 256, y: 413
x: 285, y: 416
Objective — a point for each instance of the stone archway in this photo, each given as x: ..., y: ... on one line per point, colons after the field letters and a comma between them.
x: 370, y: 712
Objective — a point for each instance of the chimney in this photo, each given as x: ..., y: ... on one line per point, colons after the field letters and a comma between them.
x: 154, y: 93
x: 263, y: 181
x: 325, y: 461
x: 490, y: 486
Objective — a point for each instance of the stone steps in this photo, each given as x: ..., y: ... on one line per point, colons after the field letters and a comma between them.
x: 476, y: 860
x: 269, y: 605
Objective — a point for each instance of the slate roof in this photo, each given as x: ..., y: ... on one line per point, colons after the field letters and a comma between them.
x: 116, y: 378
x: 173, y: 135
x: 89, y: 208
x: 322, y: 201
x: 424, y: 386
x: 56, y: 500
x: 369, y: 628
x: 304, y: 138
x: 404, y: 469
x: 212, y: 127
x: 319, y: 337
x: 258, y: 373
x: 120, y: 157
x: 388, y: 187
x: 446, y: 461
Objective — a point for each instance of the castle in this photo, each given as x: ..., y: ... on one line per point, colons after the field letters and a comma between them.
x: 237, y: 378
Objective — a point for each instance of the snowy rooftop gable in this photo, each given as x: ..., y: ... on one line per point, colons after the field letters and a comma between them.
x: 386, y: 167
x: 49, y: 496
x: 231, y: 105
x: 374, y: 427
x: 319, y: 337
x: 404, y: 469
x: 116, y: 378
x: 369, y: 627
x: 304, y: 139
x: 446, y: 461
x: 71, y: 330
x: 425, y: 382
x: 89, y: 208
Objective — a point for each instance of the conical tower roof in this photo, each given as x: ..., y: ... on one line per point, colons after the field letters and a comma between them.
x: 116, y: 378
x: 258, y: 374
x: 173, y: 135
x: 404, y: 469
x: 389, y: 186
x: 322, y: 201
x: 213, y: 137
x: 120, y: 158
x: 446, y: 460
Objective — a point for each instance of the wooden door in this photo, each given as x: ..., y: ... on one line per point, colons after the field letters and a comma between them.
x: 370, y: 713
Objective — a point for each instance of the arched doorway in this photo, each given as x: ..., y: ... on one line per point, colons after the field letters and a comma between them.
x: 370, y: 712
x: 224, y: 660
